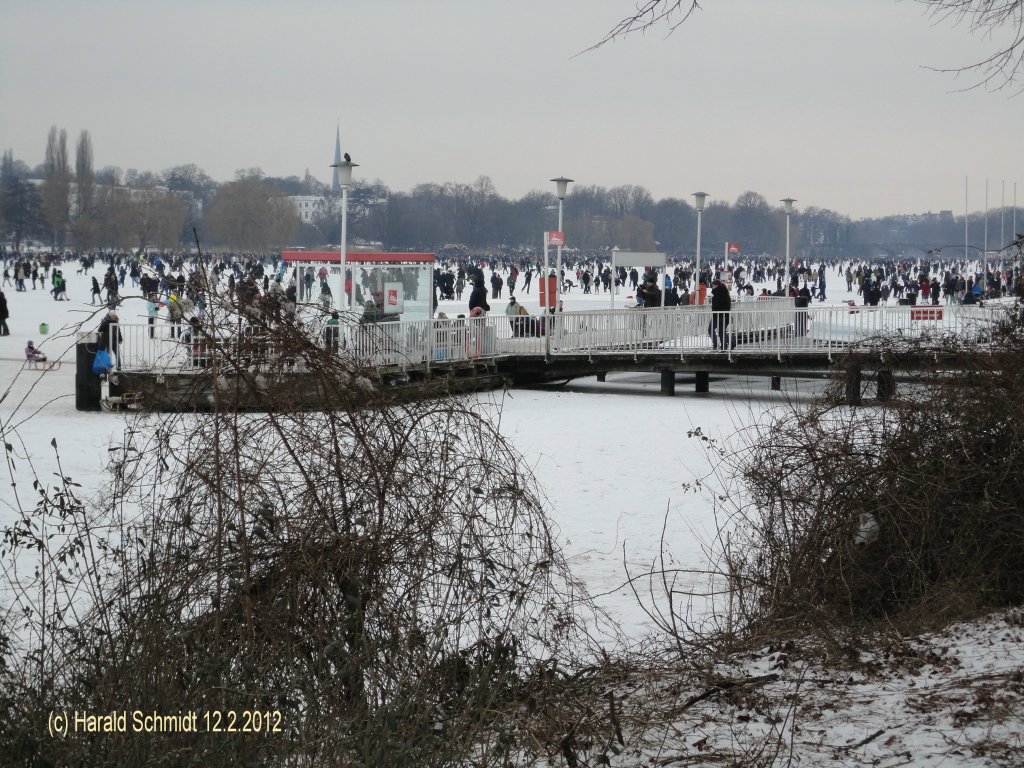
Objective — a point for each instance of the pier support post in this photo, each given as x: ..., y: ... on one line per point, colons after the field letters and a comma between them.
x: 886, y: 386
x: 668, y: 382
x: 601, y: 376
x: 703, y: 381
x: 853, y: 387
x: 776, y: 383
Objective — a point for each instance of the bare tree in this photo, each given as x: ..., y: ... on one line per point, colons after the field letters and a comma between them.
x: 20, y: 204
x: 84, y: 227
x: 373, y: 584
x: 651, y: 13
x: 985, y: 17
x: 988, y: 17
x: 137, y: 218
x: 56, y: 188
x: 245, y: 214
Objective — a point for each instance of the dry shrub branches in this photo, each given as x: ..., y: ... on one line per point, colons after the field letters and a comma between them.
x: 908, y: 511
x: 379, y: 582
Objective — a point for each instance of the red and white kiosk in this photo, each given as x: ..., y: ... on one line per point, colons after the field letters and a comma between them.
x: 391, y: 286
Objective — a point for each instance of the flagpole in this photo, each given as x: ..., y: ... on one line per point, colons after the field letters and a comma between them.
x: 966, y: 214
x: 984, y: 253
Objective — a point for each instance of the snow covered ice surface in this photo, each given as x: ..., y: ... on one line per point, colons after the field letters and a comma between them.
x: 620, y: 473
x: 613, y: 459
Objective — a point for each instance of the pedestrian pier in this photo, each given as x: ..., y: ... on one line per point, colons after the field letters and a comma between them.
x: 161, y: 368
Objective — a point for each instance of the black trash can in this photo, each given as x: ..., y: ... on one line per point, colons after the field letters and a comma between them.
x: 87, y: 383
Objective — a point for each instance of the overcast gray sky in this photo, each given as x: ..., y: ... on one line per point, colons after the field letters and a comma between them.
x: 826, y: 101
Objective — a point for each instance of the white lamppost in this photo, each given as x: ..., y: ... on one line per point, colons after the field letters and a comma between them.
x: 788, y: 202
x: 615, y: 250
x: 984, y: 253
x: 345, y: 180
x: 561, y: 185
x: 699, y: 198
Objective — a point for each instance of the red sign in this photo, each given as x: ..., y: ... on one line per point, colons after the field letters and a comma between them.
x: 547, y: 291
x: 392, y: 298
x: 926, y: 313
x: 556, y: 238
x: 733, y: 247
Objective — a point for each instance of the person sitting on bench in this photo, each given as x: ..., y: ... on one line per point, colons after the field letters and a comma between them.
x: 33, y: 355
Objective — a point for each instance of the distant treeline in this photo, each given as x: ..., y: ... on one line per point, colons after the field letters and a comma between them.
x: 77, y: 208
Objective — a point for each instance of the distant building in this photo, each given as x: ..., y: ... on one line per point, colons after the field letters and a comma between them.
x: 313, y: 207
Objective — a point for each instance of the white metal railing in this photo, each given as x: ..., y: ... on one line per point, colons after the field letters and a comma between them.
x: 752, y: 328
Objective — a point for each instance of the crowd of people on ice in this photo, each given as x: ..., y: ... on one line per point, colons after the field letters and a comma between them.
x: 934, y: 282
x: 263, y: 287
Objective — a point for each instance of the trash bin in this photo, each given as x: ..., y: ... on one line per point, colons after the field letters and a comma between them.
x: 43, y: 329
x: 87, y: 384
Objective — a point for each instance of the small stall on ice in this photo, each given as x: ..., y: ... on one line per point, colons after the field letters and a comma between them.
x: 378, y: 286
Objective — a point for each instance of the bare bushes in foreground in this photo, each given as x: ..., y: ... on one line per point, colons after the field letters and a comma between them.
x: 907, y: 511
x: 375, y: 585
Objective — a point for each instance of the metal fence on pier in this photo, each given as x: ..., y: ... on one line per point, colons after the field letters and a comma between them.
x: 773, y: 327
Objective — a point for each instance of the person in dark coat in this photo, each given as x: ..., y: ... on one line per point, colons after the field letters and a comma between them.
x: 478, y: 297
x: 721, y: 304
x: 650, y: 292
x: 4, y: 314
x: 110, y: 340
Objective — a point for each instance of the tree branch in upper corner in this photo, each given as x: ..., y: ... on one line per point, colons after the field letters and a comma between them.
x: 1001, y: 69
x: 650, y: 13
x: 1004, y: 66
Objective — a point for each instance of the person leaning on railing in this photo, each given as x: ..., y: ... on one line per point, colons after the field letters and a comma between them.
x: 200, y: 345
x: 721, y: 304
x: 332, y: 333
x: 109, y: 337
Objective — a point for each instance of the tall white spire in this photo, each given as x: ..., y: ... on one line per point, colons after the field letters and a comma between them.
x: 336, y: 181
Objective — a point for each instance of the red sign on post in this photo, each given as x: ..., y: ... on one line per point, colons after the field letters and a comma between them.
x: 556, y: 238
x: 926, y: 313
x: 547, y: 291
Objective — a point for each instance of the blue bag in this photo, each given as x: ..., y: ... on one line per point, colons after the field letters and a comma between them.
x: 102, y: 365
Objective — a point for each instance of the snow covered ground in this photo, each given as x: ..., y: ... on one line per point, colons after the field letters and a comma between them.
x: 613, y: 458
x: 622, y: 476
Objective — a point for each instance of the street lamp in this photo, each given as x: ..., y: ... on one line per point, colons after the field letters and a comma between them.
x: 615, y: 251
x: 345, y: 180
x: 561, y: 185
x: 788, y: 202
x: 699, y: 198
